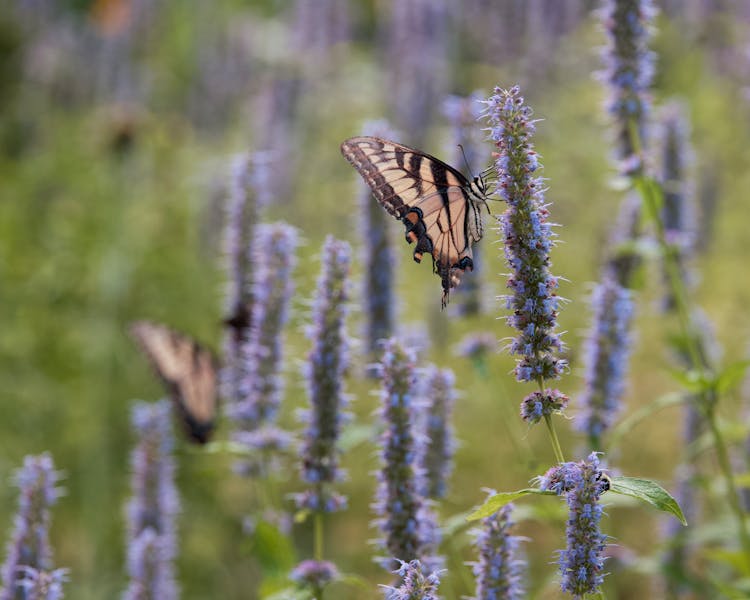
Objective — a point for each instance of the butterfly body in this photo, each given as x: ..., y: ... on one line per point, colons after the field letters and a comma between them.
x: 188, y: 371
x: 439, y: 207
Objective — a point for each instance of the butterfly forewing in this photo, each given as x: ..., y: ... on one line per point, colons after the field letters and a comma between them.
x: 431, y: 198
x: 189, y: 372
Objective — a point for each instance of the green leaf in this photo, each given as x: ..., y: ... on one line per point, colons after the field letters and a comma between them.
x: 647, y: 491
x: 497, y: 501
x: 731, y: 376
x: 626, y: 425
x: 694, y: 381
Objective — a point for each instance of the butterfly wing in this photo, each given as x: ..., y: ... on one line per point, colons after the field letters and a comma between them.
x: 188, y: 370
x: 431, y: 198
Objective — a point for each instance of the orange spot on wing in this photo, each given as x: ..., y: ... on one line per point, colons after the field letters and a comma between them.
x: 411, y: 237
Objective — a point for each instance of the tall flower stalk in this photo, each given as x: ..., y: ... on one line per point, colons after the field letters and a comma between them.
x: 415, y: 53
x: 607, y: 359
x: 403, y: 516
x: 439, y: 445
x: 627, y: 74
x: 261, y: 384
x: 326, y: 368
x: 498, y: 569
x: 678, y: 212
x: 528, y: 238
x: 242, y: 216
x: 152, y: 511
x: 28, y: 563
x: 628, y: 71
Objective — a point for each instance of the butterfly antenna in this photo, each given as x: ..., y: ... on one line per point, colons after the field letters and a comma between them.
x: 468, y: 166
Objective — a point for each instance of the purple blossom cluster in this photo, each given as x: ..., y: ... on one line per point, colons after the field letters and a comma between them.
x: 607, y: 358
x: 314, y: 574
x: 416, y: 585
x: 439, y: 445
x: 327, y: 365
x: 538, y: 404
x: 403, y: 515
x: 628, y: 71
x: 582, y: 483
x: 477, y: 345
x: 28, y: 563
x: 261, y: 385
x: 499, y: 571
x: 527, y: 237
x: 242, y: 216
x: 152, y: 511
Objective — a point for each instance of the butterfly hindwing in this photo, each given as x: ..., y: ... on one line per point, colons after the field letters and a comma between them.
x: 433, y: 200
x: 188, y: 370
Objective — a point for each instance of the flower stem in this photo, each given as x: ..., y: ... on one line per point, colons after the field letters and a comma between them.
x: 553, y: 438
x: 726, y: 469
x: 556, y: 448
x: 707, y: 398
x: 318, y: 536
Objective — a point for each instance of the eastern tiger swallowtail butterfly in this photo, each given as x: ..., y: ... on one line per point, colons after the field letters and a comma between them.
x: 189, y: 372
x: 439, y: 207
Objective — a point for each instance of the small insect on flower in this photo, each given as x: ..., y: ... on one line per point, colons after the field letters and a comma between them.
x: 438, y: 205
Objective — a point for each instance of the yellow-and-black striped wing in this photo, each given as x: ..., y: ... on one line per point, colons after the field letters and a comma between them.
x: 189, y: 372
x: 435, y: 202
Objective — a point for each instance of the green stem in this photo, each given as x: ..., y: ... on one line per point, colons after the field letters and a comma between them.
x: 556, y: 448
x: 707, y: 399
x: 726, y: 469
x: 553, y: 438
x: 318, y: 536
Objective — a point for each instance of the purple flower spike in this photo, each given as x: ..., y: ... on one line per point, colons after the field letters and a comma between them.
x: 314, y: 574
x: 416, y: 585
x: 607, y: 359
x: 582, y: 483
x: 242, y: 216
x: 439, y: 444
x: 404, y: 518
x: 540, y: 404
x: 261, y: 386
x: 499, y: 571
x: 628, y: 71
x: 152, y: 512
x: 29, y: 550
x: 527, y: 237
x: 327, y: 365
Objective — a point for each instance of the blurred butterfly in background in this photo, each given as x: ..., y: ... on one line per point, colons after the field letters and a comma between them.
x: 439, y: 207
x: 189, y: 372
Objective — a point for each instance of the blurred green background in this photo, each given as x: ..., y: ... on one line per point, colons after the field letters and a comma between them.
x: 118, y: 123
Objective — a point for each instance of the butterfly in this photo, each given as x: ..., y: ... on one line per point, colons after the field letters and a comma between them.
x: 189, y: 372
x: 439, y: 207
